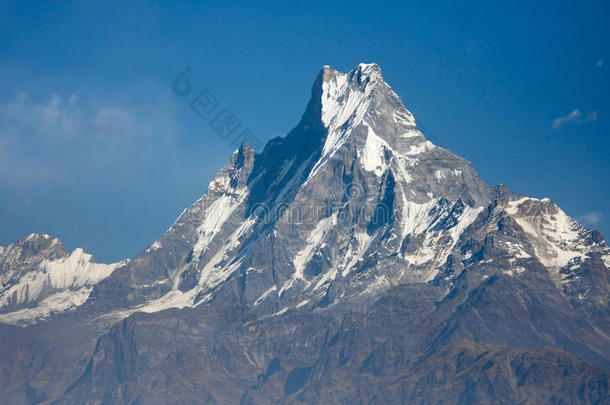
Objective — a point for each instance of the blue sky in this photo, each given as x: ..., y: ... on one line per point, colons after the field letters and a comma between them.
x: 97, y: 150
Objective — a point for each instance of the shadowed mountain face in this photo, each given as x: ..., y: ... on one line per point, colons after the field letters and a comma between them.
x: 352, y: 261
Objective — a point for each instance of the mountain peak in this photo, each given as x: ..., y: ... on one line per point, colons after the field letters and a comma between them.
x: 357, y: 117
x: 336, y: 96
x: 368, y: 70
x: 360, y: 72
x: 328, y: 73
x: 346, y: 96
x: 36, y: 243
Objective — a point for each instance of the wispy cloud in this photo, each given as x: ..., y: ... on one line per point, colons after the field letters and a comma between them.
x: 59, y: 116
x: 57, y: 138
x: 600, y: 63
x: 591, y: 219
x: 575, y: 117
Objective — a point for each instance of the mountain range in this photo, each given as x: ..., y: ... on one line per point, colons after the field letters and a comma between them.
x: 351, y: 261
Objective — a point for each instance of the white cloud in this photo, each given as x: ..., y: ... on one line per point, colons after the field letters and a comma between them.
x: 575, y: 117
x: 591, y: 218
x: 58, y: 116
x: 42, y: 142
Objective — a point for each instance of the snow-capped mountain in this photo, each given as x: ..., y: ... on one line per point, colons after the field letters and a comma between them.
x: 353, y: 200
x: 39, y: 279
x: 348, y: 261
x: 355, y: 178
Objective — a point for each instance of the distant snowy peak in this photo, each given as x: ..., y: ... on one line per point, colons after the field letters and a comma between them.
x: 27, y: 253
x: 38, y: 278
x: 518, y: 236
x: 557, y: 241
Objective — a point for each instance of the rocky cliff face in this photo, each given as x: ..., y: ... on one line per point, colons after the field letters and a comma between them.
x: 350, y: 261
